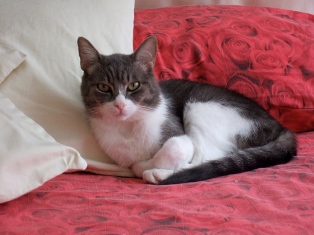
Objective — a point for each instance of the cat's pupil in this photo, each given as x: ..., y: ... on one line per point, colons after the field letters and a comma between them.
x: 133, y: 86
x: 103, y: 88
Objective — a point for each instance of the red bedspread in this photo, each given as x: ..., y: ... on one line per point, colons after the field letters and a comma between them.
x: 275, y: 200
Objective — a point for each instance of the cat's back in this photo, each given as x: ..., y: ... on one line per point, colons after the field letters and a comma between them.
x: 217, y: 108
x: 187, y: 90
x: 181, y: 92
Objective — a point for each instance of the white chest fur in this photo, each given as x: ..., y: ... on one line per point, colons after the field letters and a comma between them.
x: 131, y: 140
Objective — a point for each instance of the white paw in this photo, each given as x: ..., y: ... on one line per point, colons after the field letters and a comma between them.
x: 155, y: 176
x: 138, y: 168
x: 175, y: 152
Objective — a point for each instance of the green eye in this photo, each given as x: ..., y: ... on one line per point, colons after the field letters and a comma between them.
x: 133, y: 86
x: 103, y: 87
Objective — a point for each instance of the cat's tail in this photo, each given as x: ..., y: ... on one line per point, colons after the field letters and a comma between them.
x: 279, y: 151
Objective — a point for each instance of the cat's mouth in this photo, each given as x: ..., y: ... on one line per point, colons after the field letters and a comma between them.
x: 121, y: 114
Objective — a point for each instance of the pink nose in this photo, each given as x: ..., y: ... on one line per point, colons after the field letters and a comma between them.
x: 119, y: 106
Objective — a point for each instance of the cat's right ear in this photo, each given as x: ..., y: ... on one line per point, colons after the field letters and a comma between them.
x: 88, y: 54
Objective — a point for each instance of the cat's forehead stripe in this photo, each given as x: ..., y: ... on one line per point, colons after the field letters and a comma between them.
x: 110, y: 74
x: 120, y: 75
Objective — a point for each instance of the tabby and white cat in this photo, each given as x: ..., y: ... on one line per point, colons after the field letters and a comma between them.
x: 174, y: 131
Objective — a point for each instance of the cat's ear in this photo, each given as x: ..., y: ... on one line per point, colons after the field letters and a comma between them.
x: 146, y: 53
x: 88, y: 54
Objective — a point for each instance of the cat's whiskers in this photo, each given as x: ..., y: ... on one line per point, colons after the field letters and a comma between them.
x: 93, y: 112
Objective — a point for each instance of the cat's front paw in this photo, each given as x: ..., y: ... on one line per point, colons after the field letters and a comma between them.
x: 155, y: 176
x: 139, y: 168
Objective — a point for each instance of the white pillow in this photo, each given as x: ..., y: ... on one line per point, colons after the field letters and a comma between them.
x: 28, y: 155
x: 46, y: 87
x: 10, y: 59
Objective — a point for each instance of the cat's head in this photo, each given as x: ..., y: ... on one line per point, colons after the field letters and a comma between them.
x: 119, y: 86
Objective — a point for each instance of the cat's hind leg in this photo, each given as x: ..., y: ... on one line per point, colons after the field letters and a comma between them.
x: 175, y: 154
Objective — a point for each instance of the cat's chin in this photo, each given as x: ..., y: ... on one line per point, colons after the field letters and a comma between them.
x: 122, y: 117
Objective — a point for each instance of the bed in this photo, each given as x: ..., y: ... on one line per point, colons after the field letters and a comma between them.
x: 55, y: 180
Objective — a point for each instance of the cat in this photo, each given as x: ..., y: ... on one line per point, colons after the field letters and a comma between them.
x: 174, y: 131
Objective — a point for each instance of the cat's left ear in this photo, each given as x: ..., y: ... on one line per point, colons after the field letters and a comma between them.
x: 146, y: 53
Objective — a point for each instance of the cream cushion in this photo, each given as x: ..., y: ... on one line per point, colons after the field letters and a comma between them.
x: 45, y: 88
x: 10, y: 59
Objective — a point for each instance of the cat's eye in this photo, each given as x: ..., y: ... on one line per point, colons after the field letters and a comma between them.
x: 133, y: 86
x: 104, y: 88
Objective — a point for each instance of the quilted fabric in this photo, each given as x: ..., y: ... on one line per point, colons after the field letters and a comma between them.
x: 266, y: 54
x: 276, y: 200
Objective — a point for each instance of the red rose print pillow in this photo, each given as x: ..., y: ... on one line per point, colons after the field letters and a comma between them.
x: 266, y: 54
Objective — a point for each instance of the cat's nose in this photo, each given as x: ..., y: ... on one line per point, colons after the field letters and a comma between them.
x: 119, y: 102
x: 120, y: 106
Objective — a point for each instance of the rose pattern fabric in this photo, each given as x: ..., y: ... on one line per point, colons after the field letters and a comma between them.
x: 274, y: 200
x: 264, y: 53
